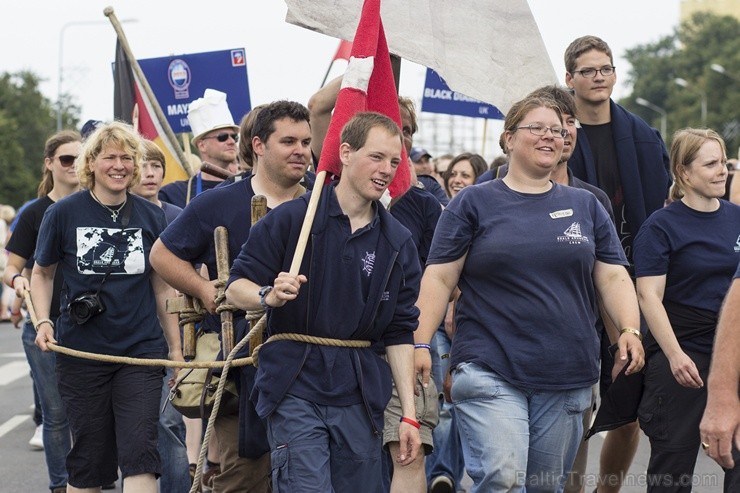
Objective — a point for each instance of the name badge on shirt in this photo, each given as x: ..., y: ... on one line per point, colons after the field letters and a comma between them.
x: 563, y: 213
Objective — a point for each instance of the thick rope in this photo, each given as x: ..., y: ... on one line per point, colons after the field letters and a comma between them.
x: 321, y: 341
x: 191, y: 315
x: 256, y: 331
x: 221, y: 297
x: 216, y: 405
x: 107, y: 358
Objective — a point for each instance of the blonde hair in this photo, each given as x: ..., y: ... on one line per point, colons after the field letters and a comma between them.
x: 685, y: 147
x: 116, y: 134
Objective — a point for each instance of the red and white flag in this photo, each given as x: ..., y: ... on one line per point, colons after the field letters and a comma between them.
x: 368, y: 85
x: 343, y: 51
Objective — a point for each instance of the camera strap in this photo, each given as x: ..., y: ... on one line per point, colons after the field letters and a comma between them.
x: 125, y: 218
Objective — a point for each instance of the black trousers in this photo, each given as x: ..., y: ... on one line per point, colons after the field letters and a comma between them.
x: 670, y: 414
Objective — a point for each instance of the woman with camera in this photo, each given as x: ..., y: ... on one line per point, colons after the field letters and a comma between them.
x: 112, y: 303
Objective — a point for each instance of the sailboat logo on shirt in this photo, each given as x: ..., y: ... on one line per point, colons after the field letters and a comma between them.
x: 573, y: 235
x: 368, y: 262
x: 737, y: 244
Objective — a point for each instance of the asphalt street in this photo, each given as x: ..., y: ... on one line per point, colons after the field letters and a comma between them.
x: 24, y: 470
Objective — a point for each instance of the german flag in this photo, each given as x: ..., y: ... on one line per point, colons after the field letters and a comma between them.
x: 131, y: 105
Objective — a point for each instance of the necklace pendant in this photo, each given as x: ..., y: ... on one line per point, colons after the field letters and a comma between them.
x: 114, y: 215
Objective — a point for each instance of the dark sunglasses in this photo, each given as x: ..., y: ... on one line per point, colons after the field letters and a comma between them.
x: 66, y: 160
x: 224, y: 137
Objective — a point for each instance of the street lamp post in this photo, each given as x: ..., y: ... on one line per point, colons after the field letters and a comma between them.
x: 60, y: 75
x: 658, y: 109
x: 683, y: 83
x: 721, y: 70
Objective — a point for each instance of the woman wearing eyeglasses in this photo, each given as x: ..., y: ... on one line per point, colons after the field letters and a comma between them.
x: 114, y: 304
x: 685, y: 257
x: 529, y: 257
x: 59, y: 179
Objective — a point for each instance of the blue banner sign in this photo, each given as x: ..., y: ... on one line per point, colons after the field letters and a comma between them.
x: 439, y: 98
x: 178, y: 80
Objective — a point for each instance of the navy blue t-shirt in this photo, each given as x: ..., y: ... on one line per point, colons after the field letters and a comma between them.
x: 78, y: 234
x: 698, y: 253
x: 432, y: 186
x: 176, y: 193
x: 170, y: 211
x: 527, y: 303
x: 418, y: 210
x: 190, y: 236
x: 23, y: 243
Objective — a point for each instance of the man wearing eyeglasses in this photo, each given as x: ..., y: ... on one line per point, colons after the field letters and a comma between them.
x: 216, y: 137
x: 621, y: 154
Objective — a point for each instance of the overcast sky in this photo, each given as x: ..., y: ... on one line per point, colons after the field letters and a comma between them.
x: 284, y: 61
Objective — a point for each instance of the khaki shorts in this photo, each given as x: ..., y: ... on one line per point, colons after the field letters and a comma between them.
x: 427, y: 414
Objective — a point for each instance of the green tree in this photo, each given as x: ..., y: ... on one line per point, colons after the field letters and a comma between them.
x: 27, y: 119
x: 689, y: 53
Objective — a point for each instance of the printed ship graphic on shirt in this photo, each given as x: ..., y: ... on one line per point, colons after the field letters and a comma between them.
x: 573, y: 235
x: 103, y: 250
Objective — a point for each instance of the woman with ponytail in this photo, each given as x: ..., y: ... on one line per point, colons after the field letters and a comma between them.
x: 59, y: 179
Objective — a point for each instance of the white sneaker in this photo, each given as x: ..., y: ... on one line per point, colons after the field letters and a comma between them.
x: 37, y: 440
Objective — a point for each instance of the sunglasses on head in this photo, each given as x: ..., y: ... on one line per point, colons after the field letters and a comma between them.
x: 66, y: 160
x: 223, y: 137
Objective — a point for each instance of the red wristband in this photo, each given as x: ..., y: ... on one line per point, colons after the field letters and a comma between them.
x: 410, y: 421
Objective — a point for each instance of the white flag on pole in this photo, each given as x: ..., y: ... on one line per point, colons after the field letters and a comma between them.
x: 490, y: 50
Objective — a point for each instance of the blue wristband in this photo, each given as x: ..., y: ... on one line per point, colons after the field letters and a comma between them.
x: 423, y: 346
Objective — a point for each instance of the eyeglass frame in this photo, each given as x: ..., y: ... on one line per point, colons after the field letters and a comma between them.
x: 223, y: 137
x: 67, y: 160
x: 561, y: 135
x: 596, y: 70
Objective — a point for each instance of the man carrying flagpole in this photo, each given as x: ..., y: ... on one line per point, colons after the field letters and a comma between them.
x: 323, y: 400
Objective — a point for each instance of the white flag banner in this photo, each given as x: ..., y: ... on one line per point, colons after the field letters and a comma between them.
x: 490, y: 50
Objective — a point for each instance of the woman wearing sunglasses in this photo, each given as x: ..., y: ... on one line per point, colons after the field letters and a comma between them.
x: 113, y: 303
x: 59, y: 179
x: 529, y: 257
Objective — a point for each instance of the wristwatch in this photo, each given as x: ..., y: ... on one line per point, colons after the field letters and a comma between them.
x: 264, y: 291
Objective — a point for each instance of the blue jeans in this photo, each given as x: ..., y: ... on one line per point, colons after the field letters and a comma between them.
x: 57, y: 441
x: 171, y: 445
x: 516, y: 439
x: 447, y: 458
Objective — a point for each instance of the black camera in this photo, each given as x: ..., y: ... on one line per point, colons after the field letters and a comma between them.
x: 84, y: 307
